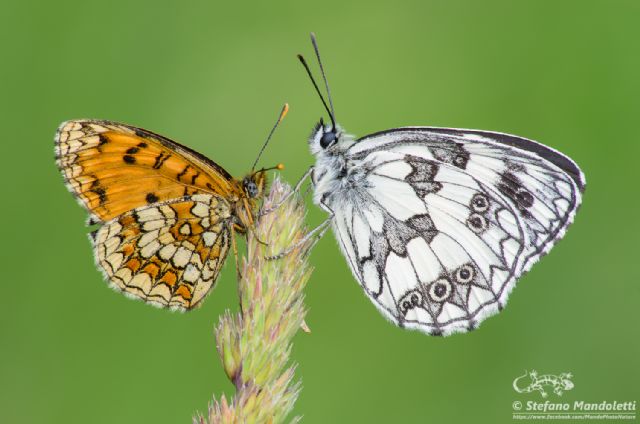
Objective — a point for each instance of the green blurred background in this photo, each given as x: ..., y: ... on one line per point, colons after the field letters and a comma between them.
x: 213, y: 76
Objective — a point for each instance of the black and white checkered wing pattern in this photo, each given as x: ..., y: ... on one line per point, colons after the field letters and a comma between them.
x: 447, y: 220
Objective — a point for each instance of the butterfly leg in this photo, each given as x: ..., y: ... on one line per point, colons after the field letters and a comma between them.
x: 314, y: 235
x: 255, y: 236
x: 234, y: 247
x: 251, y: 224
x: 296, y: 189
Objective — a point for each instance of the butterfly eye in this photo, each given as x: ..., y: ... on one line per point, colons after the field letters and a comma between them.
x: 251, y: 188
x: 328, y: 138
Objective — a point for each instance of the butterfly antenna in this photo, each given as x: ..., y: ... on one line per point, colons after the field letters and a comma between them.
x: 306, y: 66
x: 283, y: 113
x: 279, y: 167
x: 324, y: 77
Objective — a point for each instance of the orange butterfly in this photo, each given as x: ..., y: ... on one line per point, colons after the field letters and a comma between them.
x: 167, y: 214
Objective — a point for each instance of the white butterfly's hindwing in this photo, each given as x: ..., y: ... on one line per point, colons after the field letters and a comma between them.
x: 438, y: 224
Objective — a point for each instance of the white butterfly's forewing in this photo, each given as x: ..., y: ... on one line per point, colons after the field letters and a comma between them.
x: 437, y: 224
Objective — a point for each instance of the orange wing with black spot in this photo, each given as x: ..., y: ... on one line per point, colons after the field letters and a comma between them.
x: 166, y: 210
x: 168, y: 254
x: 113, y: 168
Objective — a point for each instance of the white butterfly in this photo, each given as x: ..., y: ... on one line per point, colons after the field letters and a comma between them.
x: 437, y: 224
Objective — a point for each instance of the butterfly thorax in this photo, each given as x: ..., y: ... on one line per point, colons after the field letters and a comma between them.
x: 335, y: 175
x: 252, y: 189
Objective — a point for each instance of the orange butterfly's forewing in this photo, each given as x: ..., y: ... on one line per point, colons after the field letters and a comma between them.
x: 113, y: 168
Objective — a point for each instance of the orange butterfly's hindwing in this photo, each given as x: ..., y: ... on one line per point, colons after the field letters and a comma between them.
x: 168, y: 254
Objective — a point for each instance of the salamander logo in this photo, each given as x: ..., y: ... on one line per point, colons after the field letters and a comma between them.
x: 558, y: 384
